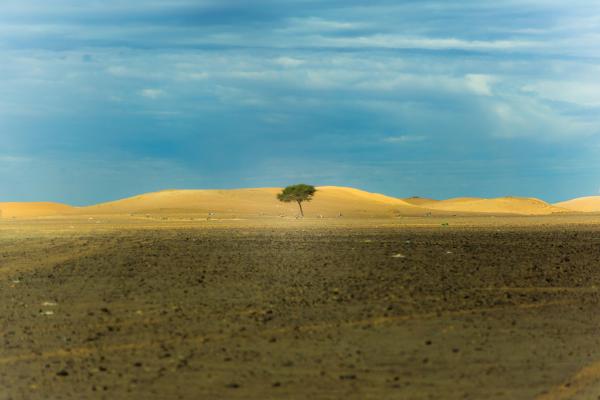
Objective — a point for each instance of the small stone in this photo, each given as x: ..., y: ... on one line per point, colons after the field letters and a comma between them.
x: 62, y: 373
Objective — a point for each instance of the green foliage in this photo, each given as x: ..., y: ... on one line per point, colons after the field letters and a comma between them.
x: 297, y: 193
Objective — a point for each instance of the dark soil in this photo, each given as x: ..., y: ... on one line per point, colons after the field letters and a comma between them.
x: 291, y: 313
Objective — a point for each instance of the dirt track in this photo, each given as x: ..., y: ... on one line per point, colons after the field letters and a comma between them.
x: 304, y: 311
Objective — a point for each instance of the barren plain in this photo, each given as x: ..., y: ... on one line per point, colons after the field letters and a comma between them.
x: 167, y: 307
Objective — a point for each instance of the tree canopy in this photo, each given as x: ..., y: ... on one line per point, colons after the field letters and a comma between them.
x: 297, y: 193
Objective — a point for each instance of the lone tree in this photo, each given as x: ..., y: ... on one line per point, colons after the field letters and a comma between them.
x: 297, y: 193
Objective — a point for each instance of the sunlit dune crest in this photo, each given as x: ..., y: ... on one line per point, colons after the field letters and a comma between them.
x: 419, y: 201
x: 501, y: 205
x: 38, y: 209
x: 330, y: 201
x: 582, y: 204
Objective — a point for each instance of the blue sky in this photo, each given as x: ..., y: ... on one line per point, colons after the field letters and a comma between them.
x: 105, y: 99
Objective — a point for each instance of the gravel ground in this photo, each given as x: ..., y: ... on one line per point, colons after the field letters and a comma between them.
x: 300, y: 310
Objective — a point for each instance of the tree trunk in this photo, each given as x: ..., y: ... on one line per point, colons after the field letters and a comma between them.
x: 300, y: 205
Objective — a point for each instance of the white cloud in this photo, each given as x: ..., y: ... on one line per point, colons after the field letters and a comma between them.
x: 392, y: 41
x: 582, y: 93
x: 233, y: 95
x: 526, y: 117
x: 404, y: 139
x: 480, y: 84
x: 438, y: 82
x: 118, y: 70
x: 289, y: 61
x: 152, y: 94
x: 313, y: 24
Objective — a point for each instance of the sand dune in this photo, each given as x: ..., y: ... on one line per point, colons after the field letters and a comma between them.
x: 501, y: 205
x: 329, y: 201
x: 26, y: 210
x: 419, y: 201
x: 582, y: 204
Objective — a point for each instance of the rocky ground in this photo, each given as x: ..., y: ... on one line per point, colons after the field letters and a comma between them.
x: 299, y: 311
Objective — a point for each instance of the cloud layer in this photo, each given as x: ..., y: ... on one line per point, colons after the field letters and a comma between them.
x: 106, y: 99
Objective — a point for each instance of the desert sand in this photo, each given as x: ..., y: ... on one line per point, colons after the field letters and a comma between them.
x: 26, y: 210
x: 502, y: 205
x: 419, y: 201
x: 330, y: 201
x: 582, y: 204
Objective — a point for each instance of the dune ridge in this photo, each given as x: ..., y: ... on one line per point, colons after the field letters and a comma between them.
x: 33, y: 209
x: 500, y: 205
x: 330, y: 201
x: 581, y: 204
x: 419, y: 201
